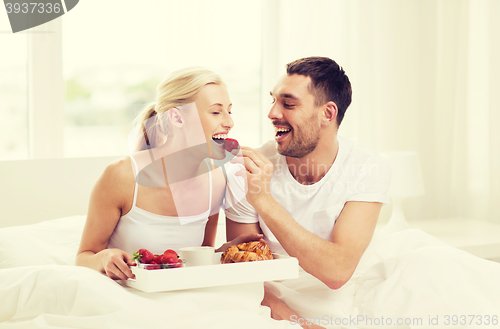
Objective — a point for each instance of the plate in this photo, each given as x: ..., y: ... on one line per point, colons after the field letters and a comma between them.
x: 161, y: 266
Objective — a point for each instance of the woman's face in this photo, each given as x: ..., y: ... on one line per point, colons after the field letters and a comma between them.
x: 214, y: 108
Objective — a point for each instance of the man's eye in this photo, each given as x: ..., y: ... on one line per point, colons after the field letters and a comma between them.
x: 288, y: 105
x: 215, y: 112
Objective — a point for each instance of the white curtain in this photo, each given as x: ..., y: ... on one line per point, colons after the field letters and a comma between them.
x: 425, y: 76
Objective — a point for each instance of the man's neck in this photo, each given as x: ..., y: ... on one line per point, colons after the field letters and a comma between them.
x: 310, y: 169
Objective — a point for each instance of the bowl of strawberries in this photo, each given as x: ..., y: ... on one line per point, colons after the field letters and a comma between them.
x: 149, y: 261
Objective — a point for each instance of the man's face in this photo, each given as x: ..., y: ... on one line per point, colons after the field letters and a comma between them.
x: 295, y: 116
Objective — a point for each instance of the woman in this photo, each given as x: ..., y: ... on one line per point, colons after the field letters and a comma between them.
x: 165, y: 195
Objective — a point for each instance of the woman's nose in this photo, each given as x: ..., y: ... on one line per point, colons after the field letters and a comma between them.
x: 228, y: 121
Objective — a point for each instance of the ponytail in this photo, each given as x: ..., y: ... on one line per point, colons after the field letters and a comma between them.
x: 147, y: 138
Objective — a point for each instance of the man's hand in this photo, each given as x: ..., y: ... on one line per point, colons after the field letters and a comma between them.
x: 259, y: 171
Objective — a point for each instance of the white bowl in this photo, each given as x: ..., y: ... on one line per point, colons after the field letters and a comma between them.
x: 197, y: 256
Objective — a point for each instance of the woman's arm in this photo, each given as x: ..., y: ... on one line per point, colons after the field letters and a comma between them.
x: 211, y: 230
x: 107, y: 200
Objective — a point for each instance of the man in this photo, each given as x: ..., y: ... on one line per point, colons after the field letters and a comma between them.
x: 313, y: 195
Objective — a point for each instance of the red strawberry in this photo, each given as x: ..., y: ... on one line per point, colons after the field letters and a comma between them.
x: 231, y: 144
x: 158, y: 259
x: 170, y: 252
x: 169, y: 259
x: 144, y: 256
x: 177, y: 264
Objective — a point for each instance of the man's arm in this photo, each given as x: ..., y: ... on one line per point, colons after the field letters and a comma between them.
x: 331, y: 262
x: 336, y: 261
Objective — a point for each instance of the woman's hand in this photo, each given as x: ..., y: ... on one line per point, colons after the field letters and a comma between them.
x: 247, y: 237
x: 116, y: 264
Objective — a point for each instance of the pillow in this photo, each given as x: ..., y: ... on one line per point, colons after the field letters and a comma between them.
x: 49, y: 242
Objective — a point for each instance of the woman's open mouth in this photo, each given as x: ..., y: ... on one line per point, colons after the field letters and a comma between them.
x: 281, y: 133
x: 219, y: 139
x: 228, y: 144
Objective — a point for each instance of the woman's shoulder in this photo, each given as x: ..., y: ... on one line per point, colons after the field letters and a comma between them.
x: 115, y: 186
x: 119, y: 172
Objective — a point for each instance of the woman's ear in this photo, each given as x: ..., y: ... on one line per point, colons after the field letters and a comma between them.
x: 330, y: 111
x: 175, y: 117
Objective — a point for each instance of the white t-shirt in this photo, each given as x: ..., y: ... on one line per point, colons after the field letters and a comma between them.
x: 357, y: 174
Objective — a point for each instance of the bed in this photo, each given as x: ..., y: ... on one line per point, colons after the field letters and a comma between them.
x: 408, y: 278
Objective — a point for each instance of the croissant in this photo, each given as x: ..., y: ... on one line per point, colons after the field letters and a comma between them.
x: 247, y: 252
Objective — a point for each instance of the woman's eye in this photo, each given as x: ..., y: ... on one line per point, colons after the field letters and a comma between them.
x: 215, y: 112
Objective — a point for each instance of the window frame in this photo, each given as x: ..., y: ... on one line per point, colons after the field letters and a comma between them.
x: 45, y: 91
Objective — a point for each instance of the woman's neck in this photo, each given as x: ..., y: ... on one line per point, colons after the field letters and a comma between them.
x: 180, y: 162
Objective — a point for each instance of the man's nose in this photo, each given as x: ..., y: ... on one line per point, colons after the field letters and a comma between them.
x: 274, y: 112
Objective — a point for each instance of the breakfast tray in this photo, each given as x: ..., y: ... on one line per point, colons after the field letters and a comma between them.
x: 280, y: 268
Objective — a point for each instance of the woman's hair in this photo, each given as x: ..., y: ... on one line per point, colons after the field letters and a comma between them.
x: 179, y: 88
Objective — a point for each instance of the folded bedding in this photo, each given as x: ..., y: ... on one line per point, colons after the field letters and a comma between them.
x: 49, y: 242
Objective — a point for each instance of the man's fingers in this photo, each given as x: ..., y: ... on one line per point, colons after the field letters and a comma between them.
x: 248, y: 163
x: 254, y: 154
x: 258, y: 159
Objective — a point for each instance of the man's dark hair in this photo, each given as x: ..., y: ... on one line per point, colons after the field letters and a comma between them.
x: 328, y: 81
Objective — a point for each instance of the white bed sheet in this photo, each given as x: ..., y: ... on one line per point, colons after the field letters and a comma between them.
x: 41, y: 288
x: 61, y: 296
x: 404, y: 275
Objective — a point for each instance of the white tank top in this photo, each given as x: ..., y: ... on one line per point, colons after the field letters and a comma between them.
x: 140, y: 228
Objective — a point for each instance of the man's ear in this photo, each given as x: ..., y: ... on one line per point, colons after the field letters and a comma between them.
x: 175, y: 117
x: 330, y: 111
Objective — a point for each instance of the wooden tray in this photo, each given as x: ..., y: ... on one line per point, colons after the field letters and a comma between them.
x: 280, y: 268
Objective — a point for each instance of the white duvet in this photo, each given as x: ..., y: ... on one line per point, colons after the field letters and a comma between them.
x: 404, y: 280
x: 407, y: 278
x: 59, y: 296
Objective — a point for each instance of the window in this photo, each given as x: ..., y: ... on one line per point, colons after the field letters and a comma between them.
x: 112, y: 64
x: 13, y: 93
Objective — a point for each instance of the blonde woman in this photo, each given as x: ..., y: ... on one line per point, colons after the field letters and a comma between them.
x: 166, y: 195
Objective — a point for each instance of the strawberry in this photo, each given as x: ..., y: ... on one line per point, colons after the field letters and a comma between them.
x: 170, y: 252
x: 144, y: 256
x: 169, y: 259
x: 231, y: 144
x: 177, y: 264
x: 158, y: 259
